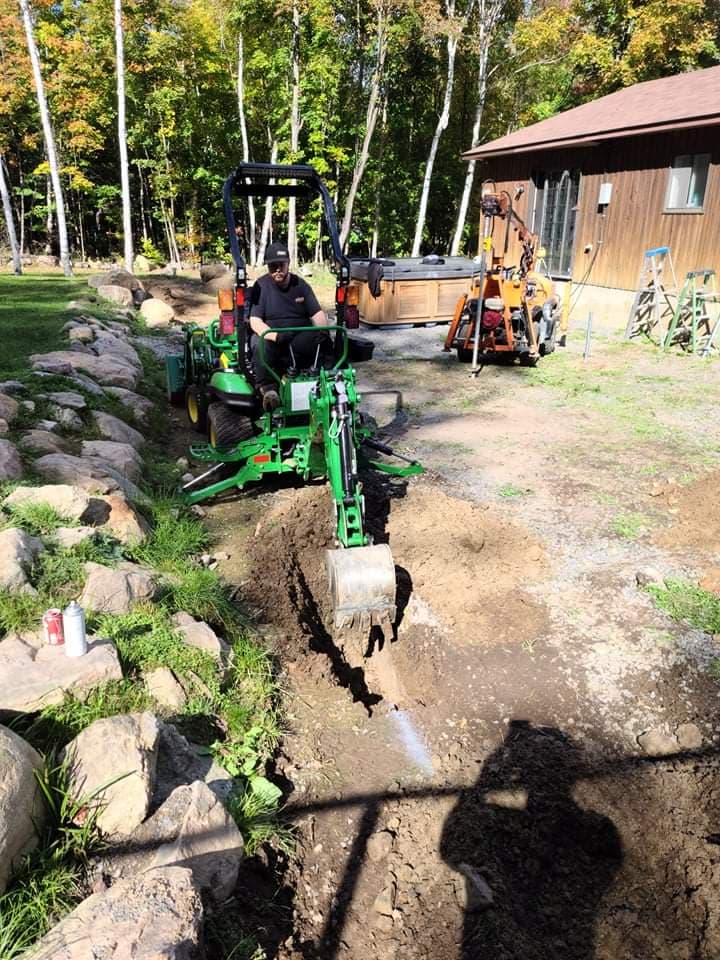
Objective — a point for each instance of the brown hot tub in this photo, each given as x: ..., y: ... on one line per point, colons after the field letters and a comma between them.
x: 411, y: 289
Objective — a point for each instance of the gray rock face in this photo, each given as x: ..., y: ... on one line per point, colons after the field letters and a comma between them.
x: 118, y: 517
x: 658, y: 743
x: 93, y: 475
x: 115, y: 371
x: 20, y: 801
x: 156, y: 916
x: 196, y: 633
x: 117, y: 430
x: 689, y: 736
x: 116, y: 345
x: 67, y: 537
x: 124, y: 746
x: 191, y: 829
x: 138, y: 405
x: 116, y: 590
x: 4, y: 427
x: 81, y: 334
x: 40, y: 442
x: 66, y: 417
x: 156, y: 313
x: 67, y: 500
x: 223, y: 282
x: 116, y: 294
x: 10, y: 463
x: 8, y: 408
x: 68, y: 398
x: 208, y: 271
x: 18, y: 551
x: 181, y: 762
x: 47, y: 673
x: 121, y: 456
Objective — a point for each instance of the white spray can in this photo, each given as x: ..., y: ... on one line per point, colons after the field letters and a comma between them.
x: 74, y: 630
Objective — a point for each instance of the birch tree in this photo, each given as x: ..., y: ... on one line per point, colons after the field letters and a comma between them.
x: 244, y: 137
x: 373, y: 111
x: 453, y: 26
x: 9, y: 221
x: 294, y: 125
x: 489, y: 13
x: 49, y: 138
x: 122, y: 138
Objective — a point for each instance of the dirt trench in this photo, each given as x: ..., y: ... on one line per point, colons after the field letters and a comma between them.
x: 469, y: 785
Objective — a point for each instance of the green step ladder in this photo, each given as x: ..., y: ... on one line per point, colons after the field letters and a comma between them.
x: 692, y: 326
x: 653, y: 302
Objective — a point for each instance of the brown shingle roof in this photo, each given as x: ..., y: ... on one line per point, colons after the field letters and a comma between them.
x: 685, y: 100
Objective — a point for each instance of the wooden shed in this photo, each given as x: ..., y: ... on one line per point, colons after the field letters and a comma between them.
x: 603, y: 183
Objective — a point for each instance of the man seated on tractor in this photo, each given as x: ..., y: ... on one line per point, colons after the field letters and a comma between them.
x: 281, y: 299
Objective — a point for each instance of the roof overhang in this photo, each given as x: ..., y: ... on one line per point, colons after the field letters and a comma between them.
x: 588, y: 140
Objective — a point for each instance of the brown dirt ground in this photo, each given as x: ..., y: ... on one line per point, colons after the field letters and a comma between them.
x: 470, y: 786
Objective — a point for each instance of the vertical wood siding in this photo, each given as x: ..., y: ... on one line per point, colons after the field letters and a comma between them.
x: 634, y: 220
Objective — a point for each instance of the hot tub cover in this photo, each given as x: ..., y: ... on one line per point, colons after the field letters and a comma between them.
x: 410, y: 268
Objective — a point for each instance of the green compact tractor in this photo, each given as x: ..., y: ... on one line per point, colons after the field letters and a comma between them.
x: 316, y: 432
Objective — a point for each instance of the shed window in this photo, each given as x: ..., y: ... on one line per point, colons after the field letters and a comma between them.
x: 687, y: 182
x: 554, y: 211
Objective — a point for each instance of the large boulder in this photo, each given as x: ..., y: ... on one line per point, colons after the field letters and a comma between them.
x: 154, y: 916
x: 18, y: 552
x: 116, y: 294
x: 117, y: 277
x: 10, y: 462
x: 111, y: 370
x: 40, y: 442
x: 108, y: 343
x: 197, y: 633
x: 68, y: 398
x: 113, y: 514
x: 181, y: 762
x: 121, y: 456
x: 8, y: 408
x: 67, y: 418
x: 191, y: 829
x: 82, y: 333
x: 138, y: 405
x: 156, y: 313
x: 224, y: 282
x: 66, y: 499
x: 117, y: 430
x: 21, y: 807
x: 209, y: 271
x: 47, y: 673
x: 123, y: 747
x: 93, y: 475
x: 116, y: 589
x: 163, y: 687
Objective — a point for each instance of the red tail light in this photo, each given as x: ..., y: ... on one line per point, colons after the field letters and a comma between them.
x: 340, y: 295
x: 227, y: 324
x: 352, y: 318
x: 240, y: 297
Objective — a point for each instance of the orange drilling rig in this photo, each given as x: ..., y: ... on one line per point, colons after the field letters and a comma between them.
x: 510, y: 311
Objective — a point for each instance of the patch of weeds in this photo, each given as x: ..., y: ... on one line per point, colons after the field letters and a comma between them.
x: 37, y: 519
x: 56, y: 725
x: 602, y: 496
x: 510, y: 490
x: 200, y: 592
x: 176, y: 535
x: 59, y: 574
x: 51, y: 880
x: 254, y: 808
x: 630, y: 526
x: 19, y: 611
x: 684, y: 601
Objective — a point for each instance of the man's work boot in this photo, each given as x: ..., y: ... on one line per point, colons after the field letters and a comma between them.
x: 270, y: 399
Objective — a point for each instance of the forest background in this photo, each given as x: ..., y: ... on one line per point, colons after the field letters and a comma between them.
x: 380, y: 96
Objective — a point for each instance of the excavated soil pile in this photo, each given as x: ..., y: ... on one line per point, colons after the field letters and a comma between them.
x: 696, y: 522
x: 460, y: 572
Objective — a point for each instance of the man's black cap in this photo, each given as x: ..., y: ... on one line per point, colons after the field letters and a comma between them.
x: 276, y: 251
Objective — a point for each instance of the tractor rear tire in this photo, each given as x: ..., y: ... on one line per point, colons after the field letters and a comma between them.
x: 227, y: 428
x: 196, y: 409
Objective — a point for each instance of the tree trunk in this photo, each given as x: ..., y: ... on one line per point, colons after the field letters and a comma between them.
x: 489, y: 14
x: 294, y: 126
x: 267, y: 221
x: 21, y: 215
x: 442, y: 123
x: 373, y: 109
x: 245, y: 146
x: 9, y: 220
x: 122, y: 139
x: 49, y: 139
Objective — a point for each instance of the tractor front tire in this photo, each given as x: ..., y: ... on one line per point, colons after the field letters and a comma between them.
x: 227, y: 428
x: 196, y: 409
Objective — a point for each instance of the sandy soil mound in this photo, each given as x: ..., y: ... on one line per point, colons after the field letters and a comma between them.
x: 697, y: 522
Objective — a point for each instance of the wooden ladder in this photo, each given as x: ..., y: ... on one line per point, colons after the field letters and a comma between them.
x: 652, y: 303
x: 692, y: 326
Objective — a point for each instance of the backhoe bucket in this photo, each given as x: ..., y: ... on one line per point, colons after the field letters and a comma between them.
x: 362, y: 585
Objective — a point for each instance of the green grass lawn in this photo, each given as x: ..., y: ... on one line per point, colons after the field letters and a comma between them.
x: 32, y: 314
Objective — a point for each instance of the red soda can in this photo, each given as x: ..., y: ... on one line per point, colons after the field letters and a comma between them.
x: 53, y: 627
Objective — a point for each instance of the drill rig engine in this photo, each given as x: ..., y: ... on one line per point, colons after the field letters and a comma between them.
x: 510, y: 311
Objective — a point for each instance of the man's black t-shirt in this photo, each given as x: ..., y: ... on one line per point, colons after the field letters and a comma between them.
x: 289, y: 306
